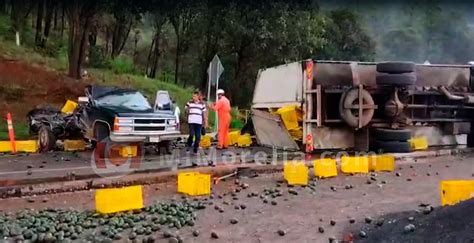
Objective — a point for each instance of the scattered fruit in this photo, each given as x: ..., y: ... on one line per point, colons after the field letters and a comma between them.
x: 214, y: 235
x: 368, y: 220
x: 234, y: 221
x: 362, y: 234
x: 196, y: 233
x: 321, y: 229
x: 409, y: 228
x: 281, y: 232
x: 332, y: 222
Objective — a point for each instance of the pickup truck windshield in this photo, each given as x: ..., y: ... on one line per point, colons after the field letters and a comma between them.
x: 128, y: 100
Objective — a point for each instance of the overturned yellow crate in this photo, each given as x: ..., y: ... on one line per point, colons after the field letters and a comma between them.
x: 206, y: 141
x: 290, y: 115
x: 354, y: 164
x: 382, y: 162
x: 234, y: 137
x: 194, y: 183
x: 455, y: 191
x: 324, y: 168
x: 244, y: 140
x: 118, y: 199
x: 295, y: 173
x: 69, y: 107
x: 74, y: 145
x: 419, y: 143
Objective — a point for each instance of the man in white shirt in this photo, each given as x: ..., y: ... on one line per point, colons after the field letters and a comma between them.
x: 197, y: 117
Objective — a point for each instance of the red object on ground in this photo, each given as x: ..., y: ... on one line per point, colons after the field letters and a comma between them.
x: 11, y: 132
x: 223, y: 109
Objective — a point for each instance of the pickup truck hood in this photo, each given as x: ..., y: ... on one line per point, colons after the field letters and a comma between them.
x: 124, y: 112
x: 167, y: 115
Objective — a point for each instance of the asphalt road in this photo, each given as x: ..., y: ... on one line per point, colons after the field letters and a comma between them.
x: 300, y: 216
x: 58, y: 166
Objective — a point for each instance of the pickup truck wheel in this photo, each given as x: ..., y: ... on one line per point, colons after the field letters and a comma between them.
x: 101, y: 132
x: 164, y: 147
x: 47, y: 140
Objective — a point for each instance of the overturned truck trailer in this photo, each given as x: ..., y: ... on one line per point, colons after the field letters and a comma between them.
x: 362, y: 105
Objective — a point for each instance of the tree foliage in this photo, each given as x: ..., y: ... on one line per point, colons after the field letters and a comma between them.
x: 182, y: 36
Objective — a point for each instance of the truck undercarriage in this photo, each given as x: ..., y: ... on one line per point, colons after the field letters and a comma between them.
x: 345, y: 103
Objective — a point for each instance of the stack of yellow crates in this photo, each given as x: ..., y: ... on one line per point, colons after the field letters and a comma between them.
x: 291, y: 116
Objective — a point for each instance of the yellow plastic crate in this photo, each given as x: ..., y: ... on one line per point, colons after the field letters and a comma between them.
x: 419, y: 143
x: 382, y: 162
x: 27, y: 146
x: 244, y: 140
x: 128, y: 151
x: 69, y: 107
x: 118, y: 199
x: 296, y: 134
x: 290, y: 115
x: 455, y: 191
x: 324, y: 168
x: 356, y: 164
x: 194, y: 183
x: 206, y: 141
x: 74, y: 145
x: 295, y: 173
x: 234, y: 137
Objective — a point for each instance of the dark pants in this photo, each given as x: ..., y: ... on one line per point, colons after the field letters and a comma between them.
x: 194, y: 133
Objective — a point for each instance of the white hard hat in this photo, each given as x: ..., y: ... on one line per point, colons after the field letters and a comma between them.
x: 220, y: 91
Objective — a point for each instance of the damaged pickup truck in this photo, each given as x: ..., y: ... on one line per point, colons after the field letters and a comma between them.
x: 121, y: 115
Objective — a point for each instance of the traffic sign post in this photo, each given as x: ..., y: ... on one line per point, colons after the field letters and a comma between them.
x: 214, y: 71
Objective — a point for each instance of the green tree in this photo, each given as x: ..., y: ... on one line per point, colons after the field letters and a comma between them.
x: 346, y: 38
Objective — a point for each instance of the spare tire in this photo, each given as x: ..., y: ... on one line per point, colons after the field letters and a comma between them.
x: 347, y: 115
x: 383, y: 134
x: 401, y: 79
x: 393, y: 146
x: 395, y: 67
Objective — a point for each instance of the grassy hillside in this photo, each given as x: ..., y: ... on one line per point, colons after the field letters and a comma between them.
x: 29, y: 78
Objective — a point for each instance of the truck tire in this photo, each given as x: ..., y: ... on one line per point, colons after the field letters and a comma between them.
x: 101, y: 132
x: 396, y: 79
x: 393, y: 146
x: 47, y: 140
x: 395, y: 67
x: 383, y: 134
x: 347, y: 115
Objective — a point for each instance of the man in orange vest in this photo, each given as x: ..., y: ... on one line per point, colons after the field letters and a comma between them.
x: 223, y: 109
